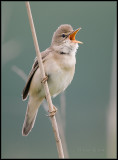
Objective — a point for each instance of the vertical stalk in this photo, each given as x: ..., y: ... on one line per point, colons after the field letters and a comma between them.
x: 48, y: 97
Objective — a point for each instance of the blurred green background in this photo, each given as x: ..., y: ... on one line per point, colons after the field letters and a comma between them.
x: 90, y: 99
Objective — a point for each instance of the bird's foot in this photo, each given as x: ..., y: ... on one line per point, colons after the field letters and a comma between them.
x: 53, y: 112
x: 44, y: 79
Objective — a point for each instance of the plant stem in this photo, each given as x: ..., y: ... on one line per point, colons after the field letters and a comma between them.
x: 48, y: 97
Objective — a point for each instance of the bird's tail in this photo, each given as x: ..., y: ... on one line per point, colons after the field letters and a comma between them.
x: 30, y: 117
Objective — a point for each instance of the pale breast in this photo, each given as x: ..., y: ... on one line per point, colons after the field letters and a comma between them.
x: 61, y: 71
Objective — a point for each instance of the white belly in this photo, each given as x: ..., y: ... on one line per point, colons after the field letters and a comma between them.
x: 60, y: 76
x: 59, y: 81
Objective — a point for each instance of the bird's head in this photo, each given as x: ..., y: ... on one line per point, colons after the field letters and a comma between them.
x: 64, y: 38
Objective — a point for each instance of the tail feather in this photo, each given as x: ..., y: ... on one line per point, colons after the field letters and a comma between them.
x: 29, y: 123
x: 31, y: 114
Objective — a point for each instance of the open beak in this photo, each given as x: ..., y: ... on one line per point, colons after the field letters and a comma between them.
x: 72, y: 36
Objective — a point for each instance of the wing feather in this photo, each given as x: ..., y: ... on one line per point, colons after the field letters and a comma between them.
x: 27, y: 85
x: 32, y: 72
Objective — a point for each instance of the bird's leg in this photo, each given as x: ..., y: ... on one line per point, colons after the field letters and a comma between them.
x: 44, y: 79
x: 52, y: 113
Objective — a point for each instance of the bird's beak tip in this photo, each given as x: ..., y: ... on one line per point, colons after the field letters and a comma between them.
x: 73, y: 34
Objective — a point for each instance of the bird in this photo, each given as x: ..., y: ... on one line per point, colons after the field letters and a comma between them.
x: 59, y: 65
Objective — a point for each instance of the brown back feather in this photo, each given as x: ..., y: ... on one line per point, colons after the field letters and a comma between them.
x: 27, y: 86
x: 33, y: 70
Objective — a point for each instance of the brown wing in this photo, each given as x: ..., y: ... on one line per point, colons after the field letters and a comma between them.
x: 33, y: 70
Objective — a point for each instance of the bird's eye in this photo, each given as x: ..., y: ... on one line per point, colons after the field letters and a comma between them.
x: 63, y: 35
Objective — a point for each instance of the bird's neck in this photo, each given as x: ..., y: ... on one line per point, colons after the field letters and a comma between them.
x: 66, y: 48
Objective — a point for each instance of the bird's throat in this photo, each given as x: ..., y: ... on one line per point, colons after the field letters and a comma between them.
x: 66, y: 48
